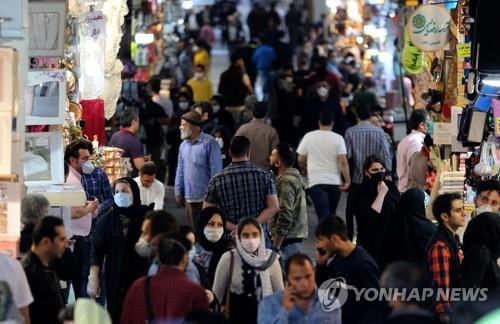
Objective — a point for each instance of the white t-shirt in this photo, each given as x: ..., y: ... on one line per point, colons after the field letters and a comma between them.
x: 154, y: 194
x: 322, y: 149
x: 12, y: 272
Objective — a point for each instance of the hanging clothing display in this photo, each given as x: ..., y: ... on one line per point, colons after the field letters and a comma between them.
x: 92, y: 47
x: 93, y: 115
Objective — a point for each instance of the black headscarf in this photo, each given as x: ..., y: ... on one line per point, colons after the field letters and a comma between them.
x: 408, y: 230
x: 482, y: 250
x: 484, y: 230
x: 136, y: 194
x: 218, y: 248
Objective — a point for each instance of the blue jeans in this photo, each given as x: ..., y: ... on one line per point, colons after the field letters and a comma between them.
x: 288, y: 251
x: 325, y: 199
x: 263, y: 84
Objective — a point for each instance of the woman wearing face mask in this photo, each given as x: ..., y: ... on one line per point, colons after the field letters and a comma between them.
x: 372, y: 203
x: 246, y: 283
x: 113, y: 243
x: 223, y: 137
x: 284, y: 98
x: 221, y: 115
x: 211, y: 243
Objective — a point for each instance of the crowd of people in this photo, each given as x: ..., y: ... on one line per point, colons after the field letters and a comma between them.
x: 292, y: 123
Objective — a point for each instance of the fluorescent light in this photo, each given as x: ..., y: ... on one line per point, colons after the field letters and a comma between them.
x: 493, y: 82
x: 144, y: 38
x: 187, y: 4
x: 180, y: 22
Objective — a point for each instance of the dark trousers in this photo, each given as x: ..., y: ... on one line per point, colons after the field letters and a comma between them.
x: 325, y: 199
x: 193, y: 211
x: 82, y: 254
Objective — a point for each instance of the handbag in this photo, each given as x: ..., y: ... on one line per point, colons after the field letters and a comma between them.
x: 225, y: 308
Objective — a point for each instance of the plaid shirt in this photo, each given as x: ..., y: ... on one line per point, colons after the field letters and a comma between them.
x: 240, y: 190
x: 97, y: 185
x: 438, y: 259
x: 364, y: 140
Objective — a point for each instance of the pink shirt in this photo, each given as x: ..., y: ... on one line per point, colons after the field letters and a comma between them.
x: 82, y: 225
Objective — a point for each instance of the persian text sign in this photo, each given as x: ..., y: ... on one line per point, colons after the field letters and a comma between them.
x: 429, y: 27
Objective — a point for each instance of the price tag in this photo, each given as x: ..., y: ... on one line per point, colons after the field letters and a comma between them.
x: 464, y: 50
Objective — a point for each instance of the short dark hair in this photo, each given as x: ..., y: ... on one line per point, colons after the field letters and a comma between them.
x: 259, y: 109
x: 239, y: 146
x: 326, y: 118
x: 332, y: 225
x: 72, y: 150
x: 417, y: 117
x: 128, y: 115
x: 162, y: 222
x: 364, y: 102
x: 184, y: 230
x: 172, y: 248
x: 286, y: 153
x: 155, y: 83
x: 248, y: 221
x: 206, y: 107
x: 297, y: 258
x: 235, y: 57
x: 46, y: 227
x: 442, y: 204
x: 149, y: 168
x: 405, y: 275
x: 488, y: 185
x: 372, y: 159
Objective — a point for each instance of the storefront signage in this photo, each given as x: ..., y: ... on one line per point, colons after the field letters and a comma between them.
x: 429, y: 27
x: 464, y: 50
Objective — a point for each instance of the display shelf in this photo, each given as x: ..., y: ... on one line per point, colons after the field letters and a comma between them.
x: 60, y: 195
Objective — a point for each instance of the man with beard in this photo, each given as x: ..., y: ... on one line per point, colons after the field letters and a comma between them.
x: 289, y: 226
x: 299, y: 302
x: 199, y: 161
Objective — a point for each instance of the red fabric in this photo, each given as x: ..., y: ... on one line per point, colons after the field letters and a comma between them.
x: 173, y: 296
x: 93, y: 115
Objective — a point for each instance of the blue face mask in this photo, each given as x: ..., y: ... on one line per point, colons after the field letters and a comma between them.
x: 123, y: 199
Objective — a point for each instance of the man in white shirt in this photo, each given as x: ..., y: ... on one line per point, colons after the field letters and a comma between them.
x: 322, y: 156
x: 152, y: 190
x: 13, y: 274
x: 409, y: 145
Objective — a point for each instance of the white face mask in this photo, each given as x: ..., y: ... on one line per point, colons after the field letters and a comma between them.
x: 123, y: 199
x: 183, y: 105
x: 322, y: 92
x: 87, y: 167
x: 186, y: 133
x: 483, y: 209
x: 198, y: 75
x: 220, y: 141
x: 143, y: 248
x: 216, y: 108
x: 250, y: 245
x: 213, y: 234
x: 289, y: 79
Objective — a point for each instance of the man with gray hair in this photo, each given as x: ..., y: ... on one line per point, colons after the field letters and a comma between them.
x: 127, y: 140
x: 33, y: 207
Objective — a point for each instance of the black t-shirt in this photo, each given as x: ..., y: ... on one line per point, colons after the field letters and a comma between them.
x: 359, y: 270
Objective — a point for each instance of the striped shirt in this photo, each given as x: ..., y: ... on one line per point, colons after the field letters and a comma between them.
x: 362, y: 141
x: 240, y: 190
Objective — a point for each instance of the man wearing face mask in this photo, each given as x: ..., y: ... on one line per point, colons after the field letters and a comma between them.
x: 199, y: 161
x: 487, y: 197
x: 324, y: 99
x: 202, y: 86
x: 170, y: 295
x: 155, y: 223
x: 81, y: 171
